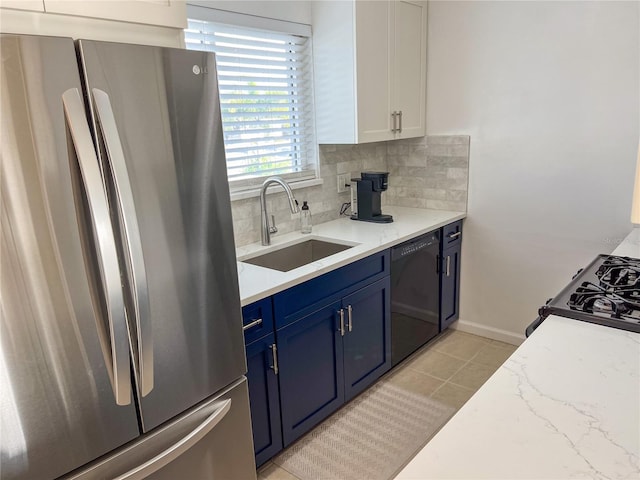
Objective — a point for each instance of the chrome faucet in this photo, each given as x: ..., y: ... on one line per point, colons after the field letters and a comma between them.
x: 267, y: 230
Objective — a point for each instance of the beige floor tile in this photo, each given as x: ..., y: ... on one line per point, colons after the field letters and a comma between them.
x: 504, y: 344
x: 436, y: 364
x: 494, y: 354
x: 453, y: 395
x: 264, y: 466
x: 472, y: 375
x: 461, y: 345
x: 414, y: 381
x: 271, y: 471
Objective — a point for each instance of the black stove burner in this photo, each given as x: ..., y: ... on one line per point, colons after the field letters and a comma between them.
x: 594, y: 299
x: 606, y: 292
x: 620, y: 273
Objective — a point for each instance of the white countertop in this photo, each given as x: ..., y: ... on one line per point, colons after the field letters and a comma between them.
x: 630, y: 246
x: 566, y: 404
x: 368, y: 238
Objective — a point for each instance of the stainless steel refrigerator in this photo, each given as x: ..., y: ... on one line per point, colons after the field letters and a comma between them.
x: 121, y: 342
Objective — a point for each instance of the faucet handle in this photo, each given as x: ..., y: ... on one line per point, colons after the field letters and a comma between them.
x: 273, y: 228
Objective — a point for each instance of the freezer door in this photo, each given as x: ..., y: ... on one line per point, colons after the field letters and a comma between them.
x: 157, y: 117
x: 210, y: 442
x: 64, y: 353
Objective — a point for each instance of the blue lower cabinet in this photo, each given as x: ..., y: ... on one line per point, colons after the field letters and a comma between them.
x: 367, y: 338
x: 310, y: 370
x: 264, y: 397
x: 450, y: 286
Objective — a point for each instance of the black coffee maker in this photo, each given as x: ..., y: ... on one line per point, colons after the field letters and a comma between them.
x: 365, y: 197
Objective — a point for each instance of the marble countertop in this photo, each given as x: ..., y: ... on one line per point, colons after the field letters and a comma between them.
x: 366, y: 239
x: 630, y: 246
x: 566, y: 404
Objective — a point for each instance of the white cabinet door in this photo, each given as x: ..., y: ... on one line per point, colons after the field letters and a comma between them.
x: 369, y: 61
x: 35, y: 5
x: 373, y: 70
x: 167, y: 13
x: 409, y: 67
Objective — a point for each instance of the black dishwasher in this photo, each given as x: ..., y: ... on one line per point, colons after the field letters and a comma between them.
x: 415, y: 295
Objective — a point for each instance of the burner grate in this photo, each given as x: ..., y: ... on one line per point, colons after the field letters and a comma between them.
x: 614, y: 291
x: 592, y: 298
x: 606, y: 292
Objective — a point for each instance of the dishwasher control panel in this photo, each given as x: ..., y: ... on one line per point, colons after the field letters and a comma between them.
x: 415, y: 245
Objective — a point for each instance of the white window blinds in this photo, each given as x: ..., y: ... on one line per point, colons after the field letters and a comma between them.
x: 266, y: 100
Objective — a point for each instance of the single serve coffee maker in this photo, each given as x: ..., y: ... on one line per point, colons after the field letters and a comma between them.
x: 365, y: 197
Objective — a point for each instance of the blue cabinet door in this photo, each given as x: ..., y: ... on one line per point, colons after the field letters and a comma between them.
x: 311, y: 378
x: 264, y: 399
x: 367, y: 339
x: 450, y: 291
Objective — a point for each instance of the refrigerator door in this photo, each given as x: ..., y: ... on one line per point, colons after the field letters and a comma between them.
x: 211, y: 441
x: 157, y: 118
x: 64, y: 353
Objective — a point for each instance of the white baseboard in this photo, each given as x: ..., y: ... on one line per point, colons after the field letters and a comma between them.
x: 489, y: 332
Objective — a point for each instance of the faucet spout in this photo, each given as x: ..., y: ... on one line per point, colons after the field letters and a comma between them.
x: 264, y: 217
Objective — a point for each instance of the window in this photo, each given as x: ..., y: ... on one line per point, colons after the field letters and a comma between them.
x: 265, y: 82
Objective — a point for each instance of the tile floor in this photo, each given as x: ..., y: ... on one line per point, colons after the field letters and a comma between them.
x: 450, y: 369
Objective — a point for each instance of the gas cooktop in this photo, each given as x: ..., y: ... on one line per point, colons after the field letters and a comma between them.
x: 606, y: 292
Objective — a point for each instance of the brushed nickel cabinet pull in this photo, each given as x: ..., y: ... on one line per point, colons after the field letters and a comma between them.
x: 256, y: 322
x: 341, y: 313
x: 448, y: 264
x: 349, y: 313
x: 274, y: 352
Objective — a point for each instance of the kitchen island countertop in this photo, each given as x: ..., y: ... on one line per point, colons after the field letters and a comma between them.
x: 367, y: 238
x: 566, y: 404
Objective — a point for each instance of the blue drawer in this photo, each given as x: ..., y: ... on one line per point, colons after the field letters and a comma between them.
x: 257, y: 320
x: 451, y: 234
x: 336, y: 284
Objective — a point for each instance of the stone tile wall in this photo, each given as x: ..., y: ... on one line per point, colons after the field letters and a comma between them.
x: 427, y: 172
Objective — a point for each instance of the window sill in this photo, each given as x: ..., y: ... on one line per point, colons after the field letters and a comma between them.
x: 255, y: 192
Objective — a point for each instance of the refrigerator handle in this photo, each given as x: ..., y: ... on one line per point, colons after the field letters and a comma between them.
x: 180, y: 447
x: 107, y: 257
x: 132, y: 244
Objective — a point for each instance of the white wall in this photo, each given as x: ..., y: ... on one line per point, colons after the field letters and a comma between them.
x: 549, y: 93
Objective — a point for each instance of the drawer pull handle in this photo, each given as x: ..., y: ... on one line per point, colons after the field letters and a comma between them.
x: 455, y: 235
x: 274, y: 352
x: 252, y: 324
x: 349, y: 311
x: 341, y: 313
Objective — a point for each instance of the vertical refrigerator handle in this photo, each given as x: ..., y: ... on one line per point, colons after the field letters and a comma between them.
x: 136, y: 272
x: 80, y: 136
x: 180, y: 447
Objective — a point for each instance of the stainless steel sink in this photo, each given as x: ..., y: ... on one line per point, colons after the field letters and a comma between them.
x: 297, y: 255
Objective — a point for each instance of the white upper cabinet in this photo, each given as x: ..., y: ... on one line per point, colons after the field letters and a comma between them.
x: 34, y: 5
x: 165, y: 13
x: 370, y: 70
x: 409, y: 73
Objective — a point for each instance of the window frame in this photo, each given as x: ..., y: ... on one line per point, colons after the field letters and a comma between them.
x: 246, y: 187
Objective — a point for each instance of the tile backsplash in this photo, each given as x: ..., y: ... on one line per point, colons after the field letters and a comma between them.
x: 427, y: 172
